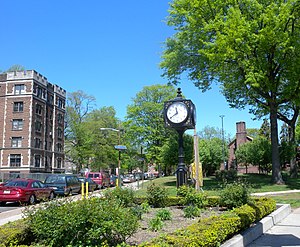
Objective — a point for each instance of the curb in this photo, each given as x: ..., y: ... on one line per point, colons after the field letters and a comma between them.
x: 259, y: 228
x: 11, y: 215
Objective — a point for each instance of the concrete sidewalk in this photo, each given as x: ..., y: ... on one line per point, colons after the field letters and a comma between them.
x: 284, y: 233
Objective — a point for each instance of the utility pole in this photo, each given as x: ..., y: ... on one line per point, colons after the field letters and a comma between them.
x: 223, y: 143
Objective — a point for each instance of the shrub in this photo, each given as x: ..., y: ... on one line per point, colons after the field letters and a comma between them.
x: 14, y: 233
x: 213, y: 201
x: 235, y: 195
x: 191, y: 212
x: 155, y: 224
x: 247, y: 215
x: 84, y: 222
x: 183, y: 190
x: 164, y: 214
x: 157, y: 195
x: 124, y: 195
x: 226, y: 175
x: 195, y: 198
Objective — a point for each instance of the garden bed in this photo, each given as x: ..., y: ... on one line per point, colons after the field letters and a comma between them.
x: 178, y: 221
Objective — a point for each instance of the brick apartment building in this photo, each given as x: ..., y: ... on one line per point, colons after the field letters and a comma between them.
x: 31, y: 123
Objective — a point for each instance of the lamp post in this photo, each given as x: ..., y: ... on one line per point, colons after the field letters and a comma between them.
x: 223, y: 148
x: 119, y: 148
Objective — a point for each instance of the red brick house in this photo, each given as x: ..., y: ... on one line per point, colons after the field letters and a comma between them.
x: 241, y: 137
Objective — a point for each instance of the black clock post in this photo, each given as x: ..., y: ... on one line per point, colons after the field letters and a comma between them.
x: 180, y: 114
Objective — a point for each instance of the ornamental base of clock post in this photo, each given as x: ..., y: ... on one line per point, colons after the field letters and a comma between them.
x: 181, y: 175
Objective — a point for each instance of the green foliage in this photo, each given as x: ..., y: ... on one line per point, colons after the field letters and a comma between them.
x: 263, y: 206
x: 83, y: 222
x: 164, y: 214
x: 192, y: 197
x: 235, y: 194
x: 191, y: 211
x: 146, y: 207
x: 125, y: 196
x: 155, y: 224
x: 156, y: 195
x: 208, y: 232
x: 226, y: 175
x: 183, y: 190
x: 211, y: 155
x: 257, y: 152
x: 213, y: 201
x: 247, y: 215
x: 15, y: 233
x: 243, y: 46
x: 144, y: 121
x: 169, y: 152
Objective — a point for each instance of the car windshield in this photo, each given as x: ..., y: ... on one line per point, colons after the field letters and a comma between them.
x: 55, y: 180
x: 17, y: 183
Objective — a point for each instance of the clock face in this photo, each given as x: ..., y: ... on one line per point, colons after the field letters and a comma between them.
x: 177, y: 112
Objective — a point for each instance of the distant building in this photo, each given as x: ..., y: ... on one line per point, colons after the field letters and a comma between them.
x: 240, y: 138
x: 32, y: 116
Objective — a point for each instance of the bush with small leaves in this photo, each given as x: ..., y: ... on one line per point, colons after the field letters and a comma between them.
x: 157, y: 195
x: 191, y: 212
x: 164, y: 214
x: 85, y: 222
x: 155, y: 224
x: 124, y: 195
x: 235, y: 194
x: 195, y: 198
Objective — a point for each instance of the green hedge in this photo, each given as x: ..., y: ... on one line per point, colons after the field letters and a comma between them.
x: 207, y: 232
x: 14, y: 233
x: 214, y: 230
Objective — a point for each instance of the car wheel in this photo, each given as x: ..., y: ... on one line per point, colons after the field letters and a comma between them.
x: 69, y: 193
x: 2, y: 203
x: 31, y: 200
x: 51, y: 196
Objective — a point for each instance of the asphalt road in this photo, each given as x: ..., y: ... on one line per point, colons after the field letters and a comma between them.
x: 10, y: 206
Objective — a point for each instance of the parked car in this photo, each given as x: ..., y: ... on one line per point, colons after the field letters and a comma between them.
x: 63, y: 184
x: 129, y: 178
x: 101, y: 178
x: 25, y: 190
x: 113, y: 180
x: 92, y: 185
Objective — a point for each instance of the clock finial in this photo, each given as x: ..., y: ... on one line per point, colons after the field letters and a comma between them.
x: 179, y: 95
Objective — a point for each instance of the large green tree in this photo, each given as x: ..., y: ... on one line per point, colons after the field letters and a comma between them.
x: 77, y: 138
x: 144, y: 120
x: 251, y: 48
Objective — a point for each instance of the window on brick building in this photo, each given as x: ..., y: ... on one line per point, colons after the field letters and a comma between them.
x: 18, y: 106
x: 59, y: 163
x: 17, y: 124
x: 59, y: 147
x: 59, y: 133
x: 15, y: 160
x: 19, y: 88
x: 16, y: 142
x: 38, y: 126
x: 37, y: 161
x: 38, y: 143
x: 38, y: 109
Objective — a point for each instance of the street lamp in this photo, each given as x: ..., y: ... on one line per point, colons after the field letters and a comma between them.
x: 119, y: 148
x: 223, y: 148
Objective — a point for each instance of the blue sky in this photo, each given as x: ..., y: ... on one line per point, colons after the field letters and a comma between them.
x: 108, y: 49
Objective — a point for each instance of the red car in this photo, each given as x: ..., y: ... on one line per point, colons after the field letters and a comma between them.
x: 25, y: 191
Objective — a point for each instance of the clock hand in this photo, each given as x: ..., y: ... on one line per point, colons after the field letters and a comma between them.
x: 174, y: 114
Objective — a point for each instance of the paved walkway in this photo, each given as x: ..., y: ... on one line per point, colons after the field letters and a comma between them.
x: 284, y: 233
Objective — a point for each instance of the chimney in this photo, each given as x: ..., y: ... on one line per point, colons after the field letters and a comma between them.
x: 241, y: 133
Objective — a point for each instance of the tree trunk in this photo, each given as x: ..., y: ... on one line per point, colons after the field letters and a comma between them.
x: 293, y: 164
x: 276, y: 173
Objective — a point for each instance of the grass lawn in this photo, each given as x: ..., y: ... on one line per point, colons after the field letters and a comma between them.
x: 257, y: 182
